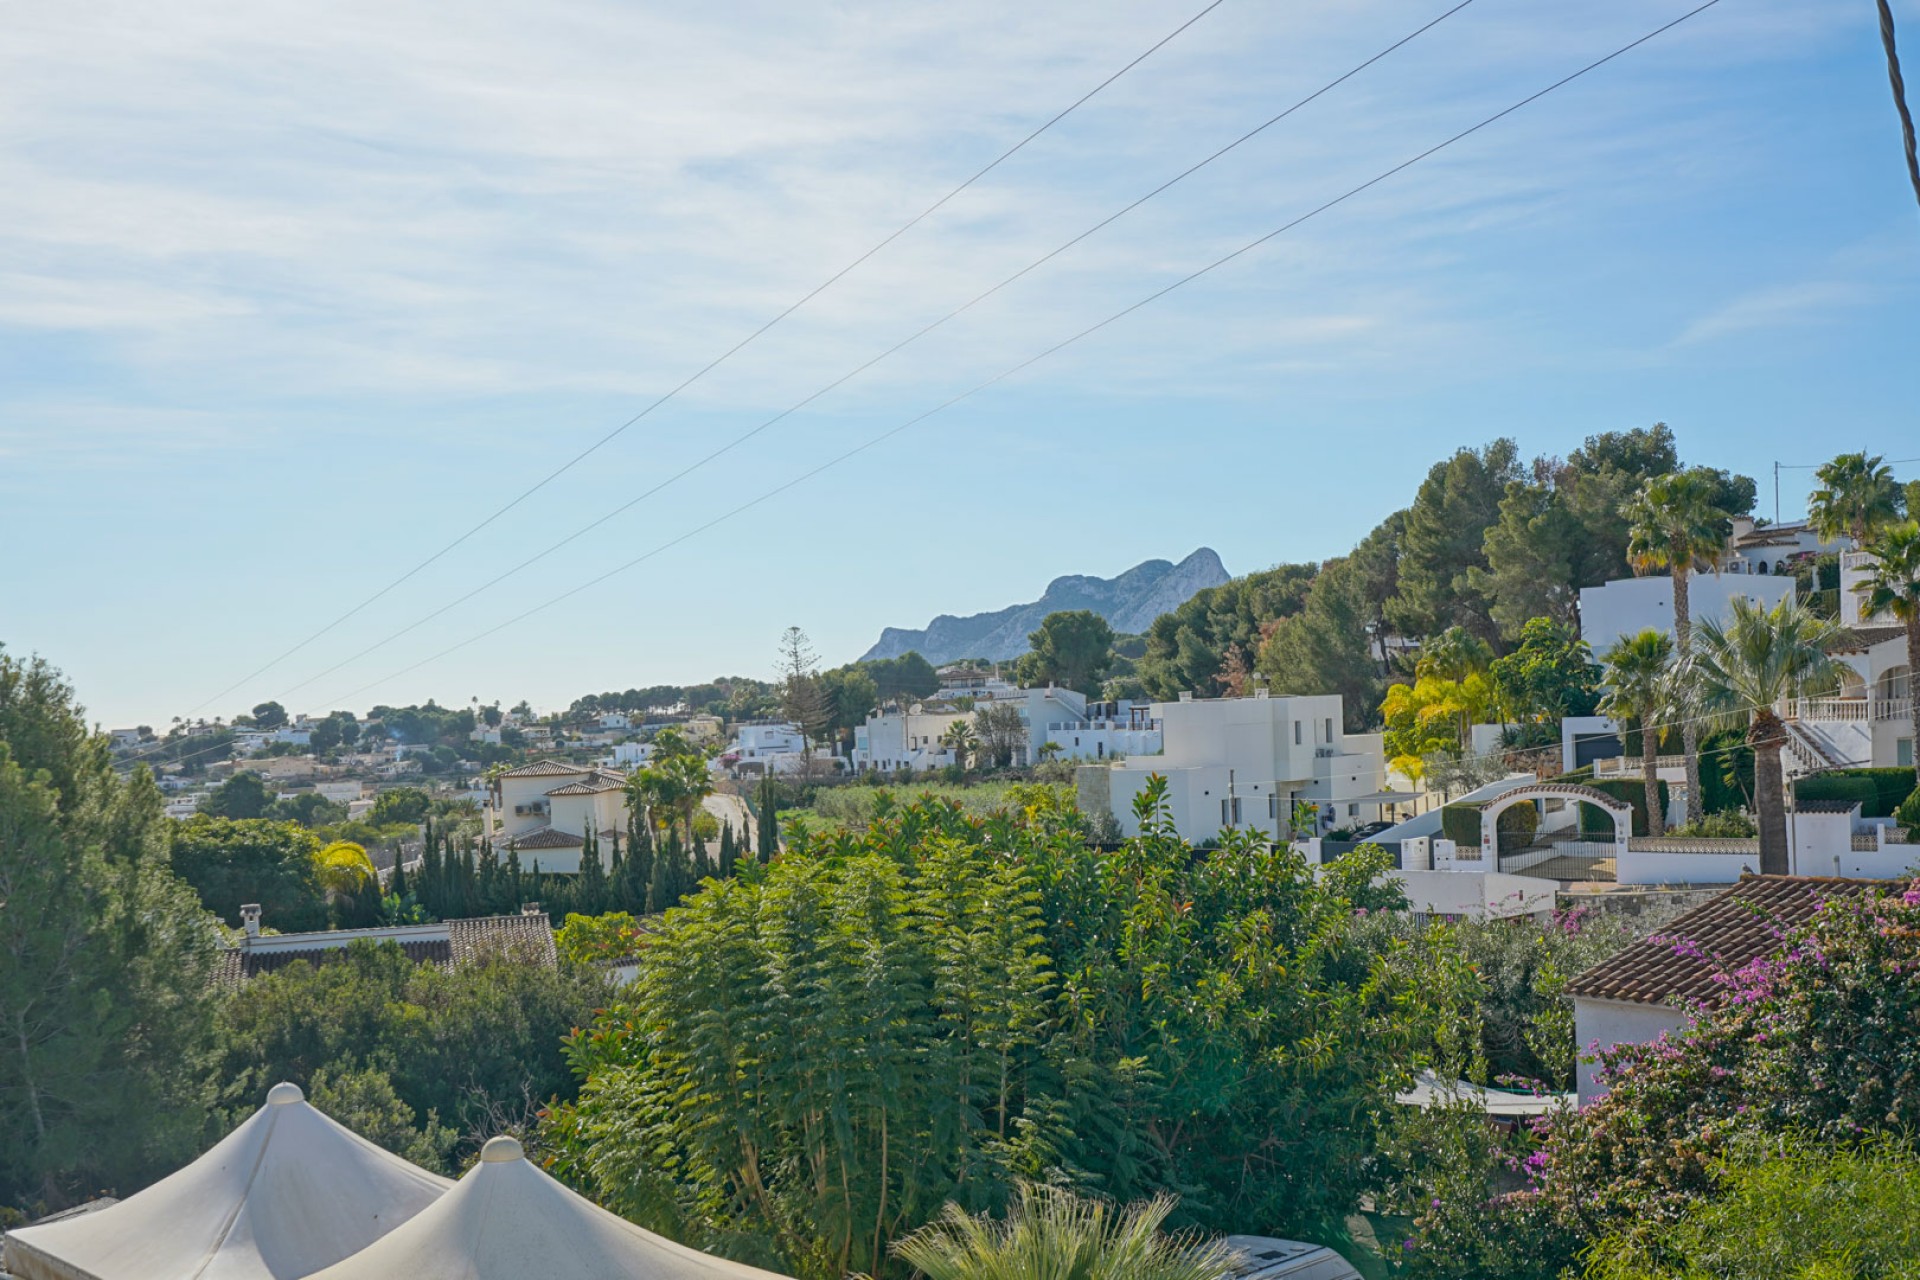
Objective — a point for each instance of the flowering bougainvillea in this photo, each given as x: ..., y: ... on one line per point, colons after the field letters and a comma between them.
x: 1821, y: 1039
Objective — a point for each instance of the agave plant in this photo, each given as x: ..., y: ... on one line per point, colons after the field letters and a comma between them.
x: 1052, y: 1233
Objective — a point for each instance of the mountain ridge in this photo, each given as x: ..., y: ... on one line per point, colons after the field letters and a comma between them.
x: 1129, y: 601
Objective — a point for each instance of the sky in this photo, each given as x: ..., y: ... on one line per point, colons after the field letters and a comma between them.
x: 293, y: 296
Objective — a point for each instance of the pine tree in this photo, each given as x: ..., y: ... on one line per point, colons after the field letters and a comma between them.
x: 516, y: 887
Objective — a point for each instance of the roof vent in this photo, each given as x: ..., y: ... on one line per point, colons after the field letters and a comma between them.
x: 250, y: 919
x: 1186, y: 695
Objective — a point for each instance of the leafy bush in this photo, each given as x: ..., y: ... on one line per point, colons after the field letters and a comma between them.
x: 1726, y: 772
x: 1847, y: 788
x: 1727, y: 825
x: 1461, y: 823
x: 478, y: 1048
x: 1794, y: 1209
x: 1908, y: 815
x: 979, y: 1002
x: 1815, y: 1042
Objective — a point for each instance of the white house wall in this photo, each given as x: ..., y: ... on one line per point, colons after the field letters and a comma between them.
x: 1602, y: 1024
x: 1631, y: 605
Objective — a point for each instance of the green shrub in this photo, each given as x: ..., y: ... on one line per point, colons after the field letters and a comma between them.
x: 1908, y: 814
x: 1730, y: 824
x: 1848, y: 788
x: 1596, y: 821
x: 1879, y: 791
x: 1460, y: 823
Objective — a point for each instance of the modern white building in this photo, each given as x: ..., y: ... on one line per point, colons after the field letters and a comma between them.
x: 910, y: 737
x: 1629, y: 606
x: 1772, y: 549
x: 764, y: 746
x: 1245, y: 763
x: 545, y: 810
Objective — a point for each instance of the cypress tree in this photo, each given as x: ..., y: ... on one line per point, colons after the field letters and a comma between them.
x: 515, y: 887
x: 428, y: 890
x: 727, y: 854
x: 590, y: 887
x: 397, y: 882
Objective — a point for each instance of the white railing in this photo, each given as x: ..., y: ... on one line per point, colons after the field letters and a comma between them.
x: 1629, y: 766
x: 1848, y: 709
x: 1858, y: 559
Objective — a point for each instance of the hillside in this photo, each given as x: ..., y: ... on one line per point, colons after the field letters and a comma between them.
x: 1129, y: 602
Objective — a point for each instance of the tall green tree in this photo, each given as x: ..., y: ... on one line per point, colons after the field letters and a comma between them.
x: 1548, y: 676
x: 244, y: 795
x: 1676, y: 524
x: 1330, y: 646
x: 1186, y: 650
x: 1444, y: 542
x: 1892, y: 586
x: 105, y: 960
x: 1742, y: 670
x: 1072, y: 648
x: 1857, y: 497
x: 233, y: 861
x: 1640, y: 689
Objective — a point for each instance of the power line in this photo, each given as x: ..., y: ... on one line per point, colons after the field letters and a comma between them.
x: 723, y: 357
x: 1035, y: 359
x: 897, y: 347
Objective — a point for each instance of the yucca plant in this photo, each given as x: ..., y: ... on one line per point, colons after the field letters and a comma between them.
x: 1053, y: 1234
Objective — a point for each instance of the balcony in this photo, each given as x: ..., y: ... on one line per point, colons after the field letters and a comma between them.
x: 1857, y: 710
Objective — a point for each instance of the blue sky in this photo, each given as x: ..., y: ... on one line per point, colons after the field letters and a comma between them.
x: 290, y: 296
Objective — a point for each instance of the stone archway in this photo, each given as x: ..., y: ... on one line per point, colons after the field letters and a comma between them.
x: 1620, y: 811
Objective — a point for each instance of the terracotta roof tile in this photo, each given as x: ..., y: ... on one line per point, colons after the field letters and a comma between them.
x: 1742, y: 924
x: 547, y: 838
x: 1860, y: 639
x: 545, y: 769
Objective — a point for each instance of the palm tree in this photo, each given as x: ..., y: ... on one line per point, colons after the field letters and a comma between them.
x: 1857, y: 495
x: 1742, y: 671
x: 1675, y: 523
x: 959, y: 739
x: 344, y: 872
x: 1053, y: 1233
x: 1893, y: 586
x: 1640, y: 687
x: 689, y: 784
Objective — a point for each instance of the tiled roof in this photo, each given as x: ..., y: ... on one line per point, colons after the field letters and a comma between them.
x: 545, y: 769
x: 592, y: 784
x: 527, y: 938
x: 1742, y: 924
x: 1861, y: 639
x: 547, y: 838
x: 1826, y: 806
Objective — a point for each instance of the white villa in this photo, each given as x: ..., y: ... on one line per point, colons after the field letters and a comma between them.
x: 909, y: 737
x: 545, y: 809
x: 1628, y: 606
x: 1245, y: 763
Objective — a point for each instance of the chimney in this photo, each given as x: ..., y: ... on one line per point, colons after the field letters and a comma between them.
x: 532, y: 909
x: 1186, y: 695
x: 250, y: 919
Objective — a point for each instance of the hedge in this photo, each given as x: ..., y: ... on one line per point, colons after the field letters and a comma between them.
x: 1597, y: 821
x: 1879, y: 791
x: 1460, y: 823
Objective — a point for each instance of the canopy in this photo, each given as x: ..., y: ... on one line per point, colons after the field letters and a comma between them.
x: 507, y: 1220
x: 285, y: 1194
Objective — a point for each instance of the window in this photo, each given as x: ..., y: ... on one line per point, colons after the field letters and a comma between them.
x: 1273, y: 805
x: 1329, y: 729
x: 1903, y: 753
x: 1296, y: 733
x: 1230, y: 811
